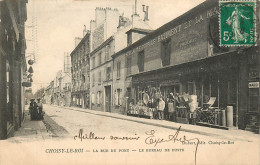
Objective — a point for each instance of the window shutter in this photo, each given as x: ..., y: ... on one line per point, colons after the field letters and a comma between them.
x: 120, y: 97
x: 116, y: 98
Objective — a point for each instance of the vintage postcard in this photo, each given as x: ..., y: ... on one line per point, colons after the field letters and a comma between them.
x: 129, y: 82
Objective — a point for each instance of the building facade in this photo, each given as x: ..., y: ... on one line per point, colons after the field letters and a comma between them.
x: 48, y: 94
x: 13, y: 14
x: 101, y: 76
x: 183, y: 57
x: 80, y: 73
x: 60, y: 92
x: 105, y: 95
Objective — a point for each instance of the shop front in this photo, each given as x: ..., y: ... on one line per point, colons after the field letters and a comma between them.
x: 205, y: 92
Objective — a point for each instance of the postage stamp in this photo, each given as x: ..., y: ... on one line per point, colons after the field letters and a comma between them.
x: 237, y: 22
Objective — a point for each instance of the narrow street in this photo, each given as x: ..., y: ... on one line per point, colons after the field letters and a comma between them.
x: 70, y: 121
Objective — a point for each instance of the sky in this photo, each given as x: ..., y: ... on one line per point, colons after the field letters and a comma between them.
x: 52, y: 26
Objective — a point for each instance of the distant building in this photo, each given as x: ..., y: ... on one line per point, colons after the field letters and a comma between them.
x: 48, y: 93
x: 28, y: 95
x: 62, y: 89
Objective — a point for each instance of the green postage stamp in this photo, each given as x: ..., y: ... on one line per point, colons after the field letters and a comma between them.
x: 237, y: 22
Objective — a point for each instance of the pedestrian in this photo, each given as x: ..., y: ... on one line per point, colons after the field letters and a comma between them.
x: 153, y: 106
x: 40, y: 107
x: 33, y: 109
x: 171, y: 107
x: 160, y: 108
x: 166, y: 109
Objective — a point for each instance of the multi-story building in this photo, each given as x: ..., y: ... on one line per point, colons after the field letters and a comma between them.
x: 57, y: 88
x: 80, y: 72
x: 105, y: 96
x: 48, y: 94
x: 183, y: 57
x: 13, y: 15
x: 61, y: 95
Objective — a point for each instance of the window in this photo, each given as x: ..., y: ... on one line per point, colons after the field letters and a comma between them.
x: 99, y: 78
x: 141, y: 61
x: 118, y: 69
x: 99, y: 58
x: 108, y: 73
x: 128, y: 65
x: 166, y: 52
x: 93, y: 79
x: 107, y: 52
x: 118, y: 97
x: 83, y: 78
x: 98, y: 97
x: 93, y: 62
x: 93, y: 98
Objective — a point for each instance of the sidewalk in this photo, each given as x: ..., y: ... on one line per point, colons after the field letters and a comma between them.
x: 232, y: 134
x: 30, y: 131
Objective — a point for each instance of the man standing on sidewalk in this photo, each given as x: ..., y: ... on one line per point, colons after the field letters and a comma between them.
x: 161, y: 106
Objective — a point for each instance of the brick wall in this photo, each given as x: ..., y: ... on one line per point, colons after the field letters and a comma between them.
x: 98, y: 36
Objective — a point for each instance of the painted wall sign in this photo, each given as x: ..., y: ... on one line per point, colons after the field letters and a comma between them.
x: 195, y: 21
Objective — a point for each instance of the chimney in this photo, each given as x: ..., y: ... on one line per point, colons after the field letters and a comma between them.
x: 100, y: 15
x: 145, y: 10
x: 92, y: 25
x: 84, y: 30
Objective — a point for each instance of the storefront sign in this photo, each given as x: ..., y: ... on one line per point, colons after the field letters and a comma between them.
x: 253, y: 85
x: 169, y: 82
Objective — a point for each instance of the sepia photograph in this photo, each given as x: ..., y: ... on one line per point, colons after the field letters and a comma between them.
x: 129, y: 82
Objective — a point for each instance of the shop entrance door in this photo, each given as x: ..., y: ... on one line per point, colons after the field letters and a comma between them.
x: 108, y: 99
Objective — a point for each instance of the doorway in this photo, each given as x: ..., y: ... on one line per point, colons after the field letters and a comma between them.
x: 108, y: 99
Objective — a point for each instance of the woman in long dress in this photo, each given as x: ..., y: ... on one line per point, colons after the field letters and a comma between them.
x: 234, y: 20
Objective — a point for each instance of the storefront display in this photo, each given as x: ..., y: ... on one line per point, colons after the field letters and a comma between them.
x: 202, y: 91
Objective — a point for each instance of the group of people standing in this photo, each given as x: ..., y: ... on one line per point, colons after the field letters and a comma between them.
x: 165, y: 110
x: 36, y: 109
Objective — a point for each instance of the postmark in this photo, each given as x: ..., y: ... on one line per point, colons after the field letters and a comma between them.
x: 237, y: 23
